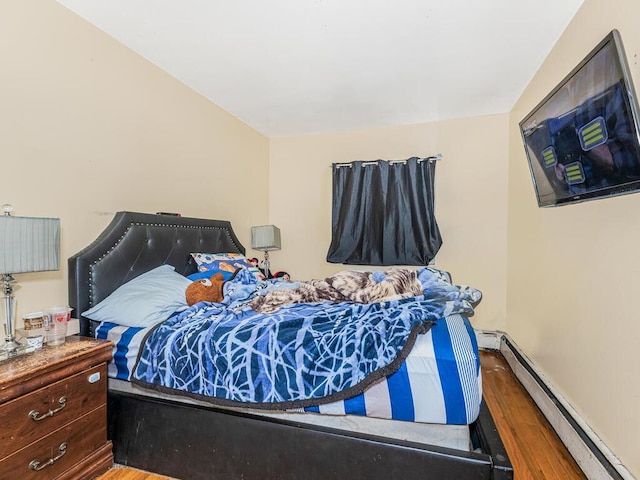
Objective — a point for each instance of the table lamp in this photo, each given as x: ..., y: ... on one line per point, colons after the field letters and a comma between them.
x: 265, y: 238
x: 27, y: 244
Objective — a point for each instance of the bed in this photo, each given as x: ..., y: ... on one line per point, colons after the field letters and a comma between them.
x: 379, y: 432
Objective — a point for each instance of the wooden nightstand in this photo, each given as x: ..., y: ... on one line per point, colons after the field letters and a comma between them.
x: 53, y: 412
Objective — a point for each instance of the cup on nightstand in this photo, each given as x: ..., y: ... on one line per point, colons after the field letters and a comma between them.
x: 35, y: 341
x: 55, y: 324
x: 32, y: 321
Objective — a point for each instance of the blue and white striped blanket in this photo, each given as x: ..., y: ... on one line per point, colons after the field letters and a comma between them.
x: 439, y: 382
x: 303, y: 354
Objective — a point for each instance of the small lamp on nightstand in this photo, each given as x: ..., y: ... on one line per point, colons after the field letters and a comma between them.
x: 27, y: 244
x: 265, y: 238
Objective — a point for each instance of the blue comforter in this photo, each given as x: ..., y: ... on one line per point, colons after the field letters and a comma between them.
x: 302, y: 354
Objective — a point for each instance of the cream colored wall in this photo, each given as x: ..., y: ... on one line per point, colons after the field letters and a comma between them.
x: 471, y: 198
x: 90, y: 128
x: 574, y: 271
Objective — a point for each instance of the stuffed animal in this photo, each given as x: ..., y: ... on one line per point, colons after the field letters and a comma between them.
x: 205, y: 290
x: 283, y: 275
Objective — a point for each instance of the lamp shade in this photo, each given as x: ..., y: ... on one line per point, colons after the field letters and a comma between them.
x: 265, y: 238
x: 29, y: 244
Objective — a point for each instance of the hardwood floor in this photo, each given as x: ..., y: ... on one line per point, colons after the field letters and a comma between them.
x: 126, y: 473
x: 534, y: 449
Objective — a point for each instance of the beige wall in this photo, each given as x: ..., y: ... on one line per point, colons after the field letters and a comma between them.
x: 90, y: 128
x: 471, y: 198
x: 574, y: 271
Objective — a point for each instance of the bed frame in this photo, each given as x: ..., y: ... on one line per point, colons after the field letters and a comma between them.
x: 197, y: 442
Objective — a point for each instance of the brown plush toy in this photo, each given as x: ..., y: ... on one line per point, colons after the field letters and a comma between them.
x: 205, y: 290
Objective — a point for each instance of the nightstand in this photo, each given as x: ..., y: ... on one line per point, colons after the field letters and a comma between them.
x: 53, y: 412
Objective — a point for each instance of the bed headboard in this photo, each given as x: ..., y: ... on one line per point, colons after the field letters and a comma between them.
x: 134, y: 243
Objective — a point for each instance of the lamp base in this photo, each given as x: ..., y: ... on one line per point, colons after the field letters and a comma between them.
x: 13, y: 349
x: 267, y: 275
x: 10, y: 348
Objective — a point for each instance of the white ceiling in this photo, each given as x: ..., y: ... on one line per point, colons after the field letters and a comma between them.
x: 289, y: 67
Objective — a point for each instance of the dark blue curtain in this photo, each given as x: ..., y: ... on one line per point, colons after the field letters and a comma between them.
x: 383, y: 213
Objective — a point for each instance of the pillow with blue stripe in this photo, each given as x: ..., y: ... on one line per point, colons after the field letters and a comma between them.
x: 224, y: 263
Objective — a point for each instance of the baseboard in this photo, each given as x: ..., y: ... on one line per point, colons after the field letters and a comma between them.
x: 592, y: 455
x: 488, y: 340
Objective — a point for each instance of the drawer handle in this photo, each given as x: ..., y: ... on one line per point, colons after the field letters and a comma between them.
x: 37, y: 466
x: 35, y: 414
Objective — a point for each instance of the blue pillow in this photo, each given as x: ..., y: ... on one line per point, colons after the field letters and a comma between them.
x: 144, y: 301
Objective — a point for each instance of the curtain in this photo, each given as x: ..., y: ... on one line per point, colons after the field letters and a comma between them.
x: 383, y: 213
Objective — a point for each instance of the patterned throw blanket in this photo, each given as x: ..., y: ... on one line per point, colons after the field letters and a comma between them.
x: 325, y: 340
x: 346, y: 286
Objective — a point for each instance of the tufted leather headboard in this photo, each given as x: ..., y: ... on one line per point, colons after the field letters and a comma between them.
x: 134, y: 243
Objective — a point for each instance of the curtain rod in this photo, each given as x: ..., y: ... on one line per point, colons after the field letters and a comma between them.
x: 432, y: 158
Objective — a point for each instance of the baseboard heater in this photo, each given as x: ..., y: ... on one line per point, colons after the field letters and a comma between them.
x: 592, y: 455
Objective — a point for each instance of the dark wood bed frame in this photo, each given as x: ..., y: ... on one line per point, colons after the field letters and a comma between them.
x: 195, y: 442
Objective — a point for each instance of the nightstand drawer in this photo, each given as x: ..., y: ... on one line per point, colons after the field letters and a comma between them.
x: 43, y: 411
x: 59, y: 451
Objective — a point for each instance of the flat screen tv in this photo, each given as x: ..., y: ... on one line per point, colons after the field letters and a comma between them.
x: 582, y: 140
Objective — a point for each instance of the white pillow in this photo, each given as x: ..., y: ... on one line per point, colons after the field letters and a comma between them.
x: 144, y: 301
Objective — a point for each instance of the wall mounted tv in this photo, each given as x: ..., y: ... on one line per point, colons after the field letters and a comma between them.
x: 582, y: 140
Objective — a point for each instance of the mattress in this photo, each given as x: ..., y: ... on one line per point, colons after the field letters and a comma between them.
x: 439, y: 382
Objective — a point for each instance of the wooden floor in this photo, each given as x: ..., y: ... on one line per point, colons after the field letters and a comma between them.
x: 535, y: 451
x: 125, y: 473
